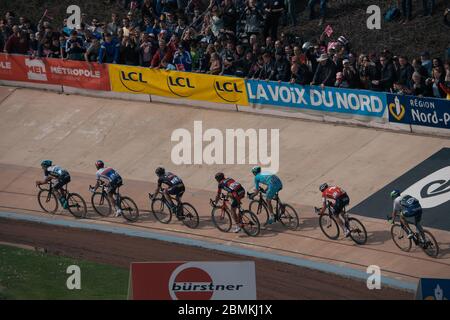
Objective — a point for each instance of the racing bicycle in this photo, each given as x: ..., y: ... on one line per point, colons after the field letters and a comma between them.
x: 103, y: 206
x: 221, y: 217
x: 330, y: 227
x: 184, y: 211
x: 284, y: 212
x: 425, y: 240
x: 49, y: 203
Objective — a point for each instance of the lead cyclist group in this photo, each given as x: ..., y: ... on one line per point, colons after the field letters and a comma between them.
x: 171, y: 186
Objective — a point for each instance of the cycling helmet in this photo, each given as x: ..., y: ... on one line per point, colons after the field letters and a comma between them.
x: 306, y: 46
x: 160, y: 171
x: 219, y: 176
x: 395, y: 193
x: 256, y: 170
x: 99, y: 164
x: 46, y: 163
x: 323, y: 187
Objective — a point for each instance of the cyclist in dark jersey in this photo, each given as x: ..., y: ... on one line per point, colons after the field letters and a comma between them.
x: 175, y: 186
x: 111, y: 179
x: 57, y: 173
x: 235, y: 191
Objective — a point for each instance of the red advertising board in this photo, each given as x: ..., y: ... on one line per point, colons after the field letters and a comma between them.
x: 224, y: 280
x: 70, y: 73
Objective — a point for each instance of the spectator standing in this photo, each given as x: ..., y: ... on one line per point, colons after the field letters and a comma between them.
x: 325, y: 74
x: 182, y: 59
x: 435, y: 83
x: 406, y: 9
x: 75, y: 47
x: 290, y: 16
x: 274, y: 10
x: 215, y: 64
x: 404, y: 74
x: 113, y: 26
x: 268, y: 68
x: 109, y: 50
x: 160, y: 53
x: 129, y: 51
x: 323, y: 10
x: 254, y: 18
x: 18, y: 42
x: 349, y: 74
x: 387, y: 75
x: 426, y: 62
x: 282, y: 68
x: 92, y: 51
x: 145, y: 51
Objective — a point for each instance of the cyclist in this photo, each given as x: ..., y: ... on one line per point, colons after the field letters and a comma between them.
x: 175, y: 186
x: 235, y: 191
x: 406, y: 206
x: 339, y: 199
x: 111, y: 179
x: 58, y: 173
x: 274, y: 185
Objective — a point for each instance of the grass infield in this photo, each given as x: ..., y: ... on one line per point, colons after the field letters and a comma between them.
x: 27, y: 274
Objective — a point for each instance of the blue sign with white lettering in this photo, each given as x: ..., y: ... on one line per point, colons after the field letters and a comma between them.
x: 433, y: 289
x: 359, y: 102
x: 429, y: 112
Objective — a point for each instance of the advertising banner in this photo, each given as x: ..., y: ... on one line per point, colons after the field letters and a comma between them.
x: 433, y: 289
x: 338, y: 100
x: 419, y: 111
x: 174, y: 84
x: 193, y: 281
x: 70, y: 73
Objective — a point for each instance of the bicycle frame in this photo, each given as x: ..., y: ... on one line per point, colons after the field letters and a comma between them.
x: 343, y: 213
x: 262, y: 201
x: 116, y: 194
x: 224, y: 206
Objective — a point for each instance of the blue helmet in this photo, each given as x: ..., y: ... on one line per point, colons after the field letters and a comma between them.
x: 46, y: 163
x: 395, y: 193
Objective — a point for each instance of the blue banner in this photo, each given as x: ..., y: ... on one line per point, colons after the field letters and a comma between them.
x: 433, y: 289
x: 349, y: 101
x: 429, y: 112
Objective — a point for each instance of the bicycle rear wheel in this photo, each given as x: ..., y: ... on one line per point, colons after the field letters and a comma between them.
x: 400, y: 237
x: 430, y: 245
x: 190, y: 216
x: 260, y: 209
x: 101, y: 204
x: 329, y: 226
x: 77, y: 205
x: 250, y: 223
x: 129, y: 208
x: 221, y: 219
x: 288, y: 216
x: 358, y: 232
x: 47, y: 201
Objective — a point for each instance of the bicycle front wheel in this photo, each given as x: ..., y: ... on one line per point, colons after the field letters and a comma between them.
x: 358, y: 232
x: 129, y: 208
x: 101, y: 204
x: 329, y: 226
x: 288, y: 217
x: 430, y: 245
x: 260, y: 209
x: 190, y: 216
x: 400, y: 237
x: 47, y: 201
x: 221, y: 218
x: 250, y: 223
x: 160, y: 210
x: 77, y: 205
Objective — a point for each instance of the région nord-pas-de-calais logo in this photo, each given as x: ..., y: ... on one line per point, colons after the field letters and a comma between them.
x: 181, y: 86
x: 133, y: 81
x: 36, y: 69
x: 227, y: 90
x: 397, y: 110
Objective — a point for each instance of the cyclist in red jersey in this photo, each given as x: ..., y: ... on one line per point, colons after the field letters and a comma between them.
x: 338, y: 199
x: 235, y: 191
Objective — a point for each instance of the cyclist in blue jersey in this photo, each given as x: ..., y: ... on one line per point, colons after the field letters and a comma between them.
x: 406, y: 206
x: 274, y: 185
x: 57, y: 173
x: 111, y: 179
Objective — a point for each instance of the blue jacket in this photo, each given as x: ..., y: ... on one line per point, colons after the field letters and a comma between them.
x: 184, y: 59
x: 109, y: 52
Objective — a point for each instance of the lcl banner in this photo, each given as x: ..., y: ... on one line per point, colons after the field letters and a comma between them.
x: 174, y: 84
x: 70, y: 73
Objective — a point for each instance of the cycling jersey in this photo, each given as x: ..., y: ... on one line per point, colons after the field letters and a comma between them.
x: 407, y: 206
x: 169, y: 179
x: 55, y: 172
x: 338, y: 197
x: 272, y: 182
x: 232, y: 187
x: 108, y: 175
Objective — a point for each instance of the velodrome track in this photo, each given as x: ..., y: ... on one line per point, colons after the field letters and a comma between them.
x: 134, y: 137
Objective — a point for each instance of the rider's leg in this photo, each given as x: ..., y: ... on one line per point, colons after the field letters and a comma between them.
x: 406, y: 225
x: 168, y: 197
x: 236, y: 219
x: 418, y: 225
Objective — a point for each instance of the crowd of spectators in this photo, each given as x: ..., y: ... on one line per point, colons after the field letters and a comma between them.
x: 225, y: 37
